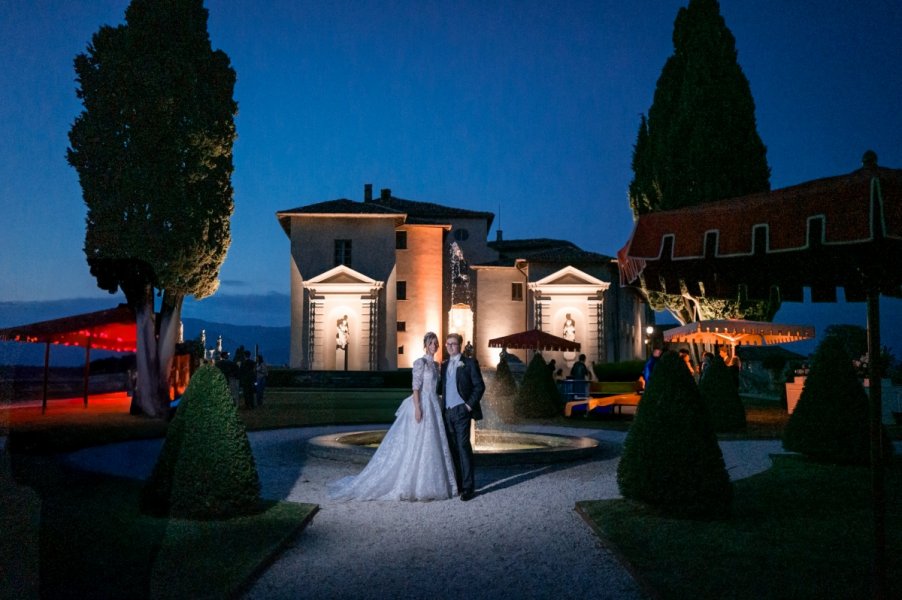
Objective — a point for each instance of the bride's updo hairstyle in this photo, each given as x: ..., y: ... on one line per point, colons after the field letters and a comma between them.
x: 429, y: 336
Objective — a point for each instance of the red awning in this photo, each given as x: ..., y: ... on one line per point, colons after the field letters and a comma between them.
x: 822, y: 234
x: 113, y: 329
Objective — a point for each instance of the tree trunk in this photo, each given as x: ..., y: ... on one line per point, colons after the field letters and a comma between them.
x: 146, y: 400
x: 169, y: 320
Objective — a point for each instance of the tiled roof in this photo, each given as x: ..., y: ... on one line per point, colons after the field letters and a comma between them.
x: 341, y: 206
x: 428, y: 212
x: 543, y: 250
x: 568, y: 254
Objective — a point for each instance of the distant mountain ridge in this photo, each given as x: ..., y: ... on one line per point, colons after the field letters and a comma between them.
x: 273, y: 342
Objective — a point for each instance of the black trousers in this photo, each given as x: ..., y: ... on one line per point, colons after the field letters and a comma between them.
x: 457, y: 424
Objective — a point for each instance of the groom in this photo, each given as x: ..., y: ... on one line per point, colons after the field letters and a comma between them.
x: 461, y: 388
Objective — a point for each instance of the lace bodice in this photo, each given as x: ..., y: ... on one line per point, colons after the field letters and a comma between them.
x: 425, y: 374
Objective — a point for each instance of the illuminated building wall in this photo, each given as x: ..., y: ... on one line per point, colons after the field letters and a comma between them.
x: 388, y: 246
x: 372, y: 254
x: 498, y: 313
x: 419, y: 265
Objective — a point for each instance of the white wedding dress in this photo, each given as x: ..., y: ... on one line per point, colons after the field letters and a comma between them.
x: 413, y: 462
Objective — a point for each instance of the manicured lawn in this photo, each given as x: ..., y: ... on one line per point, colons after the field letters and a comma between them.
x: 799, y: 530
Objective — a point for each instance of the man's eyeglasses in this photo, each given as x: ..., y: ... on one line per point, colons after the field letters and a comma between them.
x: 452, y: 344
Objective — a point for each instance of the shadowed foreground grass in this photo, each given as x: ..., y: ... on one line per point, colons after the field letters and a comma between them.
x: 80, y: 535
x: 94, y: 543
x: 798, y: 530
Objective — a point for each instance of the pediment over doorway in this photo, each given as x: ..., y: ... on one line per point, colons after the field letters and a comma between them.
x: 341, y: 274
x: 342, y: 279
x: 572, y: 279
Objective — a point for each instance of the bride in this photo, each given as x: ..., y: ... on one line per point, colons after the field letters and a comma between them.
x: 413, y: 462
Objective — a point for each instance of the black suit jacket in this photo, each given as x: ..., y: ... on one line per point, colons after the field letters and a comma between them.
x: 470, y: 385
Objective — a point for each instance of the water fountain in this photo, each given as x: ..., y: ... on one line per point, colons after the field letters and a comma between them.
x: 493, y: 443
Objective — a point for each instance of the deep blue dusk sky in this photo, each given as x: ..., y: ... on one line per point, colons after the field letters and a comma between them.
x: 526, y: 109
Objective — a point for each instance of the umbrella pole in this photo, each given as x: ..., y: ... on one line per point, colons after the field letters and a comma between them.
x: 46, y: 375
x: 87, y: 376
x: 878, y: 484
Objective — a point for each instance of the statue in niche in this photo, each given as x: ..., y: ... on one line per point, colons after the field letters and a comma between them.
x: 344, y: 333
x: 569, y: 328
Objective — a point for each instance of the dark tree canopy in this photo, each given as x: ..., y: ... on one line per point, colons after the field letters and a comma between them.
x: 700, y: 141
x: 153, y: 148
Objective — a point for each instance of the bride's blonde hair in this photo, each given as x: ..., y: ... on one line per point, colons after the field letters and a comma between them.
x: 429, y: 336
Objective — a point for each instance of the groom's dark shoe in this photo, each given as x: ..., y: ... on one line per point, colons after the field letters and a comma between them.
x: 467, y: 496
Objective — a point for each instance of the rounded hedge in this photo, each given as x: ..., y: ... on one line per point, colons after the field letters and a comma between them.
x: 720, y: 394
x: 830, y: 422
x: 671, y: 459
x: 206, y: 469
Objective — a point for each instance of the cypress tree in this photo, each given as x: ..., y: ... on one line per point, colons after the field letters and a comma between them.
x: 671, y: 459
x: 700, y: 143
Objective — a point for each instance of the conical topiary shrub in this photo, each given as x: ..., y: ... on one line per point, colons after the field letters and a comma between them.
x: 504, y: 379
x: 830, y: 421
x: 206, y: 469
x: 537, y: 397
x: 720, y: 394
x: 671, y: 459
x: 501, y: 393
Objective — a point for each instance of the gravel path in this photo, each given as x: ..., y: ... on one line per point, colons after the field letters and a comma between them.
x: 519, y: 538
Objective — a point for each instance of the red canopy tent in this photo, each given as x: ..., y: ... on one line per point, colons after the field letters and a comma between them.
x: 534, y: 339
x: 843, y: 231
x: 112, y: 329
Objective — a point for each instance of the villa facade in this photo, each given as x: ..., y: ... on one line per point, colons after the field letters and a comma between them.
x: 369, y: 278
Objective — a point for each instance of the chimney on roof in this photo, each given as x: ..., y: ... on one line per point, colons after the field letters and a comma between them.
x: 367, y: 192
x: 498, y: 236
x: 385, y: 194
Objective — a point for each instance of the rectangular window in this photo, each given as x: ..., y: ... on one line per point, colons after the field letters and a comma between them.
x: 343, y: 252
x: 401, y: 290
x: 517, y: 292
x: 402, y: 325
x: 400, y: 349
x: 400, y: 240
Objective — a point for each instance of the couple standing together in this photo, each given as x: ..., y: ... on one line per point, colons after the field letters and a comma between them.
x: 426, y: 454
